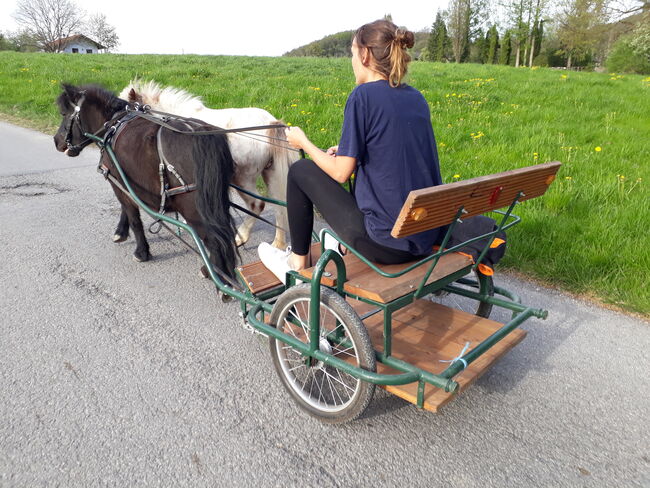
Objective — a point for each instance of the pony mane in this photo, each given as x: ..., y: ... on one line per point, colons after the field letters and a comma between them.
x: 99, y: 95
x: 168, y: 99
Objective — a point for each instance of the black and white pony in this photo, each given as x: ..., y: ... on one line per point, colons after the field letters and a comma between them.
x: 203, y: 160
x: 263, y: 152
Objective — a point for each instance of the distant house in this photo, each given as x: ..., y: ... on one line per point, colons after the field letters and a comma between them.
x: 75, y: 44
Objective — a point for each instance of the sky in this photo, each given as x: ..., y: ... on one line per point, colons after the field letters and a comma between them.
x: 239, y: 27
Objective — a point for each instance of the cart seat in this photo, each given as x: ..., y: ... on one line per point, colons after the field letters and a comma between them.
x: 362, y: 280
x: 424, y: 209
x: 365, y: 282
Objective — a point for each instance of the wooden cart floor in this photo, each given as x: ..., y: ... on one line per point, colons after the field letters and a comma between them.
x: 426, y: 333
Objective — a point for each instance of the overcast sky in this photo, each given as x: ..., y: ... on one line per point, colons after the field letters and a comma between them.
x: 242, y: 27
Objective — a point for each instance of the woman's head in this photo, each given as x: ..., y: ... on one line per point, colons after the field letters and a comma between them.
x: 382, y: 48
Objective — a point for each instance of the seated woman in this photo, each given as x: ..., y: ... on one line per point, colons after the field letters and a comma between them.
x: 387, y: 140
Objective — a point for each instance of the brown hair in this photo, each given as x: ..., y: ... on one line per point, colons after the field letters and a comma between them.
x: 388, y: 44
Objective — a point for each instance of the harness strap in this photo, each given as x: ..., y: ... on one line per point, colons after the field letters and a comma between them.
x: 105, y: 172
x: 162, y: 122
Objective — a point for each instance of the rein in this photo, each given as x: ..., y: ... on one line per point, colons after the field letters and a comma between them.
x: 124, y: 117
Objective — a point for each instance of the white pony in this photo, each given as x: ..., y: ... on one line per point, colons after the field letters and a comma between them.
x: 262, y: 152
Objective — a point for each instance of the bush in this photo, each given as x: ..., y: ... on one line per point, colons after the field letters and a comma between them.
x: 541, y: 60
x: 623, y: 59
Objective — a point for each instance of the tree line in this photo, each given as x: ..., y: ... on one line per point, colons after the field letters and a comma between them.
x: 563, y: 33
x: 42, y: 22
x: 569, y: 33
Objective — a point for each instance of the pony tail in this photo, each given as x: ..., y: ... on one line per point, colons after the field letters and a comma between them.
x: 399, y: 58
x: 214, y: 168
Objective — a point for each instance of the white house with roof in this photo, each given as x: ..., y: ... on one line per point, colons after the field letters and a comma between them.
x: 77, y: 44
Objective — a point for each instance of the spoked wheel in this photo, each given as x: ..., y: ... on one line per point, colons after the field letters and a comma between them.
x: 476, y: 282
x: 325, y: 392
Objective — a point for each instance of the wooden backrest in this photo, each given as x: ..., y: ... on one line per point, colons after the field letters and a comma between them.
x: 436, y: 206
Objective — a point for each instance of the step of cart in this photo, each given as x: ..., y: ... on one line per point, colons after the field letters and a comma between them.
x: 427, y: 333
x: 361, y: 280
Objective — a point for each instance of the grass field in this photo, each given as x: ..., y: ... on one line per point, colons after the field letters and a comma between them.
x: 588, y: 235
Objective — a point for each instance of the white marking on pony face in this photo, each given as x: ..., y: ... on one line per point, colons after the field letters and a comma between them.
x: 77, y: 108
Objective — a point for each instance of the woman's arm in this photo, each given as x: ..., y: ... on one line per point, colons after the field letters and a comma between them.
x: 338, y: 168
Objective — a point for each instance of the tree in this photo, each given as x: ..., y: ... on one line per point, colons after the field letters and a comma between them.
x: 99, y: 30
x: 537, y: 9
x: 506, y: 48
x: 518, y: 13
x: 479, y: 48
x: 459, y: 27
x: 48, y: 20
x: 492, y: 43
x: 465, y: 19
x: 578, y: 30
x: 438, y: 40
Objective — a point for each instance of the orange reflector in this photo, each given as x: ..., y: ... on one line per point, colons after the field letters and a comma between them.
x: 496, y: 242
x: 486, y: 270
x: 550, y: 179
x: 418, y: 213
x: 466, y: 255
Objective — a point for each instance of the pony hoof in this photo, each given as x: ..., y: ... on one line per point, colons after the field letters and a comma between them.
x: 204, y: 272
x: 141, y: 258
x: 226, y: 298
x: 239, y: 241
x: 119, y: 238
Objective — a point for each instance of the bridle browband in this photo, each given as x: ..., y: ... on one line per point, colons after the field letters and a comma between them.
x: 76, y: 117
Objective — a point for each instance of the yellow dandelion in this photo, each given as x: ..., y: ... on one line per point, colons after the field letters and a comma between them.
x: 294, y: 104
x: 456, y: 176
x: 568, y: 178
x: 598, y: 149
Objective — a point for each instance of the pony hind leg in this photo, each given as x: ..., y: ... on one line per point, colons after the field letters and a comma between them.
x: 276, y: 183
x: 122, y: 229
x: 254, y: 205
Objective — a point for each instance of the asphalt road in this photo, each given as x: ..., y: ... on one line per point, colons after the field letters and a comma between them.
x: 117, y: 373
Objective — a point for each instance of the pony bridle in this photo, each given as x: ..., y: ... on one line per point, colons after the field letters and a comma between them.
x: 76, y: 117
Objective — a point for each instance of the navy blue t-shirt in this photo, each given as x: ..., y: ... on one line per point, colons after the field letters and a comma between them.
x: 388, y: 131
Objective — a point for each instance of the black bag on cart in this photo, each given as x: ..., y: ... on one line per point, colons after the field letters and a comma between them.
x: 474, y: 227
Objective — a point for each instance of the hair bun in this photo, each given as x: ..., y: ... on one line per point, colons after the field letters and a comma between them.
x: 405, y: 38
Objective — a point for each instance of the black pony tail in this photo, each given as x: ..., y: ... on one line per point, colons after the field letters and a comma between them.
x: 214, y: 169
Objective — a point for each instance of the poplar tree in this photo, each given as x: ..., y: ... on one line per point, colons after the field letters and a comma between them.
x: 492, y: 42
x: 506, y: 47
x: 465, y: 18
x: 438, y: 40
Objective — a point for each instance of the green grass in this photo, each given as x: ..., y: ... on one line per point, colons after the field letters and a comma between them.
x: 589, y: 234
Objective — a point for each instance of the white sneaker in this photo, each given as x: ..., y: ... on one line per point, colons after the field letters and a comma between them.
x: 275, y: 260
x: 331, y: 243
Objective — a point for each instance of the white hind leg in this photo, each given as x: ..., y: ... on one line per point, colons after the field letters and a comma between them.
x: 276, y: 182
x: 254, y: 205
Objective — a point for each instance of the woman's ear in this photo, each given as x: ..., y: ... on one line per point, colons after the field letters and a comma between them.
x: 365, y: 56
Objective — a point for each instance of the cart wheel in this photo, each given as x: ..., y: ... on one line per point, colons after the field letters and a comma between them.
x: 325, y: 392
x: 474, y: 283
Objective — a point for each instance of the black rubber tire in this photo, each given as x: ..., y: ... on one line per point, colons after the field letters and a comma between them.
x: 485, y: 282
x: 334, y: 384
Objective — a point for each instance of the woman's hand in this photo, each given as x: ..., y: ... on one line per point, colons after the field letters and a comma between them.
x: 332, y: 151
x: 296, y: 137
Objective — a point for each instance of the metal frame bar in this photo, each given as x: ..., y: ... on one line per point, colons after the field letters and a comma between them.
x: 410, y: 373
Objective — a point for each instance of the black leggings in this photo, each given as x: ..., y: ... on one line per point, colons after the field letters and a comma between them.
x: 308, y: 185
